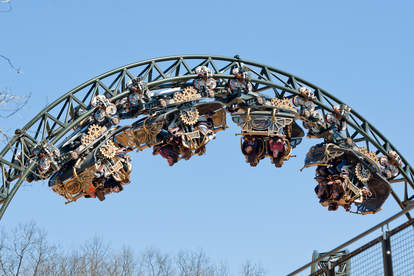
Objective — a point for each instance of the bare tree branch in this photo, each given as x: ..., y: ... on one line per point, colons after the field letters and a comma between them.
x: 41, y: 255
x: 127, y: 262
x: 15, y: 103
x: 6, y: 3
x: 196, y: 263
x: 3, y: 254
x: 251, y: 269
x: 4, y: 134
x: 26, y: 251
x: 10, y: 63
x: 154, y: 263
x: 95, y: 253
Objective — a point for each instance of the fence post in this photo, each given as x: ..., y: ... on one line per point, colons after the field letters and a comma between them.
x: 386, y: 253
x: 331, y: 271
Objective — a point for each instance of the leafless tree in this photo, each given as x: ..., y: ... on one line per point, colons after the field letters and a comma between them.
x: 196, y: 263
x: 153, y: 263
x: 122, y: 264
x: 41, y: 255
x: 3, y: 251
x: 25, y: 251
x: 127, y: 262
x: 72, y: 264
x: 10, y: 103
x: 95, y: 253
x: 23, y: 240
x: 251, y: 269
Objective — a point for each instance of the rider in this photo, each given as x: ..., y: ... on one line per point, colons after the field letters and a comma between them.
x: 337, y: 123
x: 312, y: 119
x: 206, y: 126
x: 167, y: 151
x: 391, y: 163
x: 251, y: 148
x: 277, y: 149
x: 322, y: 190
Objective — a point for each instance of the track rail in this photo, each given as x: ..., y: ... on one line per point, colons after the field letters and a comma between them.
x: 59, y: 118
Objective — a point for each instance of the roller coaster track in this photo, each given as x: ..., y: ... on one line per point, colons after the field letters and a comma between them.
x: 58, y: 119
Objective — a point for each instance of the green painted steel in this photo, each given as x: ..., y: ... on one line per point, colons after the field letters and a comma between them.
x: 60, y: 117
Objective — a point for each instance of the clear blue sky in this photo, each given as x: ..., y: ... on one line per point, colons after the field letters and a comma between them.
x: 360, y: 51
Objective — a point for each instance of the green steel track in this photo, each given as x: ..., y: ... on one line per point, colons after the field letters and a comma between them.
x: 58, y: 119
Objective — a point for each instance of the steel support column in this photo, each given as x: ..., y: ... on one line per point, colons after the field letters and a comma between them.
x: 386, y: 254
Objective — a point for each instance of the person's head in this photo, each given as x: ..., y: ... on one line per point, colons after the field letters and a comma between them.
x: 117, y: 188
x: 322, y: 171
x: 125, y: 181
x: 337, y: 109
x: 335, y: 194
x: 392, y: 154
x: 304, y: 91
x: 186, y: 154
x: 333, y: 206
x: 249, y: 149
x: 319, y: 191
x: 171, y: 160
x: 97, y: 181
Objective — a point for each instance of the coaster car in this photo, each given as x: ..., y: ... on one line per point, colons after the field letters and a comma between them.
x: 48, y: 161
x: 241, y: 81
x: 266, y: 122
x: 178, y: 133
x: 104, y: 169
x: 330, y: 127
x: 51, y: 158
x: 84, y: 156
x: 189, y: 123
x: 268, y: 132
x: 200, y: 124
x: 347, y: 175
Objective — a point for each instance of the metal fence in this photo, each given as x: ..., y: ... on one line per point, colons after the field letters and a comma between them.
x: 368, y: 262
x: 392, y: 254
x: 402, y: 248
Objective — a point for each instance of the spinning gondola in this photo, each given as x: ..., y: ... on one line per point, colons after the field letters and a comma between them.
x: 348, y: 175
x: 268, y: 131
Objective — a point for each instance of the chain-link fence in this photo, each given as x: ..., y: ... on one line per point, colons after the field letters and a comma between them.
x: 390, y: 254
x: 402, y: 248
x: 368, y: 262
